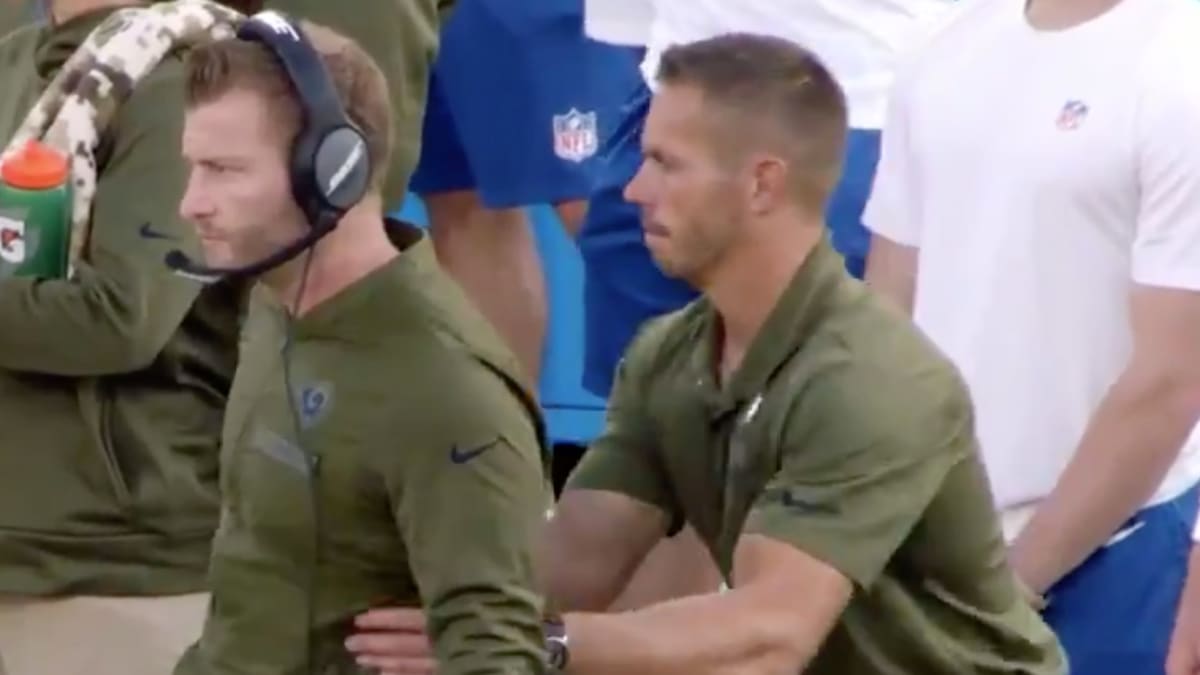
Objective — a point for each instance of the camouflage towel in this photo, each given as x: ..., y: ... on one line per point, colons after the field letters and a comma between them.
x: 82, y: 99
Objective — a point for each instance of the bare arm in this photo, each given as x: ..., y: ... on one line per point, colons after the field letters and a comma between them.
x: 1144, y: 418
x: 892, y: 271
x: 783, y: 605
x: 1132, y: 440
x: 1183, y: 658
x: 592, y: 546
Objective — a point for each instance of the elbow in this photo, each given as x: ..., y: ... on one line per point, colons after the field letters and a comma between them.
x: 782, y: 646
x: 128, y: 339
x: 776, y: 640
x: 1184, y: 396
x: 135, y: 353
x: 1173, y: 390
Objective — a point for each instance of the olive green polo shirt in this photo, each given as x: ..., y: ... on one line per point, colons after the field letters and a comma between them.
x: 846, y: 434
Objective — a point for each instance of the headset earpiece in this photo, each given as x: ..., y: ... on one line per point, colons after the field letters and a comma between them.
x: 330, y: 161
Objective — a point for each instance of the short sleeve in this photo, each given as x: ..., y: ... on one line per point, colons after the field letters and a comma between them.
x: 1166, y: 248
x: 625, y: 457
x: 862, y: 460
x: 893, y: 206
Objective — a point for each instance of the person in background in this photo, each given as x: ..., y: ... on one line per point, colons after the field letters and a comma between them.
x: 520, y: 102
x: 1046, y: 235
x: 112, y: 387
x: 817, y: 441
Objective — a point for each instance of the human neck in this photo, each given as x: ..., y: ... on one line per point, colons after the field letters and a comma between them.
x: 1053, y: 15
x: 357, y: 247
x: 62, y: 11
x: 751, y: 281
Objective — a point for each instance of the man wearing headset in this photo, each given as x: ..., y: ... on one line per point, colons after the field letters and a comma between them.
x: 378, y: 446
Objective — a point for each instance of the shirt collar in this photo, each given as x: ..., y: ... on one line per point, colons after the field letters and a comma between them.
x: 789, y: 324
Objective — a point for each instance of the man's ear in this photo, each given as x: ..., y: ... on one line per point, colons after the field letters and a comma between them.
x: 769, y: 184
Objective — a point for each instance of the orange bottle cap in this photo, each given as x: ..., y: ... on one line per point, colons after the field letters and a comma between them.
x: 36, y: 166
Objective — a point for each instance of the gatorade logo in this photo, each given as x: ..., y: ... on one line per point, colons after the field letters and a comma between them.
x: 12, y: 240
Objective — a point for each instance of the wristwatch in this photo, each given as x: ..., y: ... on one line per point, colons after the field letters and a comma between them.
x: 557, y: 653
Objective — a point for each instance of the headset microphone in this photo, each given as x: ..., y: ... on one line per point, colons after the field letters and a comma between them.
x: 183, y: 265
x: 330, y: 163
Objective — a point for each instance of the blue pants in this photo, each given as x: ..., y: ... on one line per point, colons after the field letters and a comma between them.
x: 520, y: 102
x: 1114, y: 614
x: 622, y: 285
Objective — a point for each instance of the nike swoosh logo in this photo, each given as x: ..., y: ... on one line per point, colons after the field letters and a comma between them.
x: 462, y: 456
x: 149, y: 232
x: 792, y: 502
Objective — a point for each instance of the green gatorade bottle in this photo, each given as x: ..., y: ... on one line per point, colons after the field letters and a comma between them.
x: 35, y: 213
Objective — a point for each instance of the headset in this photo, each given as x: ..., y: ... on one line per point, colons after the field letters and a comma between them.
x: 330, y: 162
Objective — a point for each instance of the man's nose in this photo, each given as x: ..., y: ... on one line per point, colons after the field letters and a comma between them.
x: 194, y: 205
x: 635, y: 190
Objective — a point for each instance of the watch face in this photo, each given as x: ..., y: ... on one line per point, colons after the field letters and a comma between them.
x: 557, y: 653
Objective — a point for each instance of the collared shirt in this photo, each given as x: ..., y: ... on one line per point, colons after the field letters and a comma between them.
x: 843, y: 433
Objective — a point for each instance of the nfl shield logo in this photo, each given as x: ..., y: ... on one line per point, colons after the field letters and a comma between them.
x: 575, y: 135
x: 1072, y: 115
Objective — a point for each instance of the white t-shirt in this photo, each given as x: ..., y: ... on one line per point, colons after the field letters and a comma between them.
x: 1042, y: 175
x: 618, y: 22
x: 860, y: 41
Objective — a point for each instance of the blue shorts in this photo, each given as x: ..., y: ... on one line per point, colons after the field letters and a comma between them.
x: 622, y: 285
x: 1114, y: 614
x: 520, y: 102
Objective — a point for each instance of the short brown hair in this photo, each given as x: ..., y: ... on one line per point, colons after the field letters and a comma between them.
x: 217, y: 67
x: 772, y: 88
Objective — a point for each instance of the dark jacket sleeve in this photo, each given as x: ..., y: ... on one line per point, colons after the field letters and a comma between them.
x: 124, y: 304
x: 470, y: 498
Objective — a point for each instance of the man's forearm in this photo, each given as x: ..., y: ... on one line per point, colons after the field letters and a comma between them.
x: 892, y: 272
x: 699, y: 635
x: 1130, y: 444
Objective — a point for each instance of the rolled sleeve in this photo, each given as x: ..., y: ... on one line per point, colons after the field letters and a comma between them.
x: 857, y: 475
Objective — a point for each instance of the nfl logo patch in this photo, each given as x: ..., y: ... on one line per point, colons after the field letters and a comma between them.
x: 1072, y: 115
x: 575, y: 135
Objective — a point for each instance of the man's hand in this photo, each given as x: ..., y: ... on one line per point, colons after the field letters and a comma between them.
x: 1183, y: 658
x: 392, y: 641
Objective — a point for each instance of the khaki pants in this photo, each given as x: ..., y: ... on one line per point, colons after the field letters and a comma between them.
x: 98, y: 636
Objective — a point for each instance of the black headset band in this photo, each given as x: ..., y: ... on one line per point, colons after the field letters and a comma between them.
x: 318, y: 96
